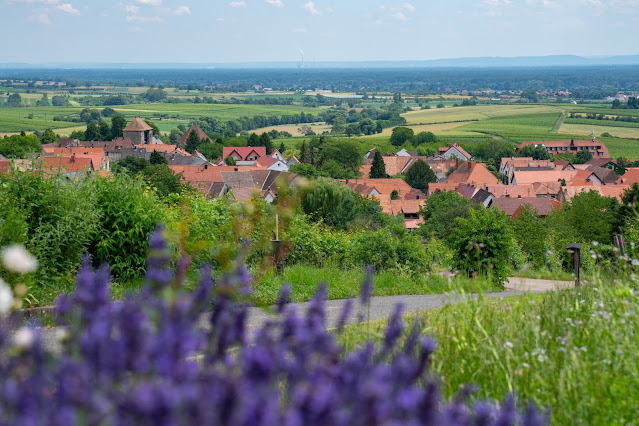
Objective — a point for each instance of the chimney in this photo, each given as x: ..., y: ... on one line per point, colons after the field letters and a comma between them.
x: 456, y: 162
x: 72, y: 160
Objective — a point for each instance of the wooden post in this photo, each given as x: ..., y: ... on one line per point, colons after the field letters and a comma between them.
x: 575, y: 250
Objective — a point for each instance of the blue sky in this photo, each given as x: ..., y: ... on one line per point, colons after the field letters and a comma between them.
x: 40, y: 31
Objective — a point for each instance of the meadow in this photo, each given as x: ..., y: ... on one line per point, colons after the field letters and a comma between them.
x: 572, y: 351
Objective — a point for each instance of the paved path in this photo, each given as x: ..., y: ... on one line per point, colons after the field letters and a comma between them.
x: 380, y: 307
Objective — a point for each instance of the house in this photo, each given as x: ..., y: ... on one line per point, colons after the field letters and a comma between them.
x: 405, y: 153
x: 611, y: 191
x: 278, y: 155
x: 271, y: 163
x: 67, y: 166
x: 410, y: 210
x: 370, y: 154
x: 607, y: 163
x: 245, y: 154
x: 198, y: 131
x: 631, y: 176
x: 472, y: 173
x: 139, y: 132
x: 563, y: 165
x: 292, y: 161
x: 607, y: 176
x: 510, y: 165
x: 513, y: 207
x: 97, y: 156
x: 454, y: 151
x: 596, y: 148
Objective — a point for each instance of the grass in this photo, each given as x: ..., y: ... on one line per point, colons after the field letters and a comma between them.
x: 619, y: 131
x: 573, y: 351
x: 543, y: 274
x: 346, y: 283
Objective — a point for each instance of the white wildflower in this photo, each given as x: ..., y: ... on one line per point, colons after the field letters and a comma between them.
x: 61, y: 334
x: 23, y: 338
x: 635, y: 262
x: 509, y: 345
x: 16, y: 258
x: 595, y: 243
x: 6, y: 298
x: 526, y: 365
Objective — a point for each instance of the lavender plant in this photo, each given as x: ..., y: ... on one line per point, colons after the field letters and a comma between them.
x: 170, y: 357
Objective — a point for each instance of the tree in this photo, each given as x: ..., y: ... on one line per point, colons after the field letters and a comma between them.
x: 628, y: 207
x: 306, y: 170
x: 14, y: 100
x: 423, y: 137
x: 394, y: 195
x: 592, y: 216
x: 401, y: 135
x: 230, y: 161
x: 192, y: 142
x: 265, y: 140
x: 154, y: 95
x: 536, y: 152
x: 494, y: 149
x: 60, y: 101
x: 440, y: 213
x: 49, y: 137
x: 163, y: 179
x: 118, y: 123
x: 211, y: 151
x: 282, y: 148
x: 531, y: 233
x: 482, y: 242
x: 105, y: 130
x: 330, y: 202
x: 131, y: 165
x: 157, y: 158
x: 44, y: 101
x: 583, y: 156
x: 378, y: 169
x: 305, y: 156
x: 108, y: 112
x: 90, y: 115
x: 253, y: 140
x: 420, y: 175
x: 19, y: 146
x: 92, y: 133
x: 174, y: 137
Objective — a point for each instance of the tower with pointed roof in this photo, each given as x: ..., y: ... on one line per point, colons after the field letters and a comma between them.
x: 139, y: 132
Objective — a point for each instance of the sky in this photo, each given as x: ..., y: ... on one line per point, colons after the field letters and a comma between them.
x: 217, y: 31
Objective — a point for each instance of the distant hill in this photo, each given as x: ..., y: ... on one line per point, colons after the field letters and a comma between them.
x: 482, y: 62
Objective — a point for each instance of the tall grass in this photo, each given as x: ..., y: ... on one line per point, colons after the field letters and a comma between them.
x: 574, y: 351
x: 343, y: 283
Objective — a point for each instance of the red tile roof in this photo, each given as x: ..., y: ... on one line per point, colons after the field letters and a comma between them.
x: 631, y: 176
x: 194, y: 128
x: 601, y: 148
x: 244, y: 151
x: 472, y: 173
x: 137, y: 125
x: 512, y: 206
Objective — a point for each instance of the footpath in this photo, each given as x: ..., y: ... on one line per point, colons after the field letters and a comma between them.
x: 380, y: 307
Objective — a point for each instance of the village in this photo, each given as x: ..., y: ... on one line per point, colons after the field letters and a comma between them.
x: 543, y: 185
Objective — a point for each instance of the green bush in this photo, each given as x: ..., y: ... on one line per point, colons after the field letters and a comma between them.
x: 483, y: 243
x: 128, y: 213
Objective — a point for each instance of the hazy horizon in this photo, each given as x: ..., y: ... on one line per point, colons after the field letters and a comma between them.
x: 249, y: 31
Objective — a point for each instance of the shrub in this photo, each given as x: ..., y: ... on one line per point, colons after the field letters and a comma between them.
x: 482, y: 243
x: 128, y: 215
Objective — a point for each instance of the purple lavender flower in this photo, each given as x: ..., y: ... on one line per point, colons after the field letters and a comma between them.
x: 367, y: 287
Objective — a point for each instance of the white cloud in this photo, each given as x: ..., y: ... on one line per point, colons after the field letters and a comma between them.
x: 150, y: 2
x: 237, y: 4
x: 68, y: 8
x: 181, y: 11
x: 132, y: 9
x: 400, y: 16
x: 277, y: 3
x: 144, y: 19
x: 300, y: 30
x: 35, y: 1
x: 310, y: 8
x: 41, y: 18
x: 409, y: 7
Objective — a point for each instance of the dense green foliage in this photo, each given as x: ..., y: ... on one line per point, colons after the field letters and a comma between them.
x: 482, y: 243
x: 378, y: 169
x: 17, y: 146
x: 420, y: 175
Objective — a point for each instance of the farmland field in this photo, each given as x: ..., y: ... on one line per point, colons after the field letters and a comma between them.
x: 293, y: 129
x: 622, y: 132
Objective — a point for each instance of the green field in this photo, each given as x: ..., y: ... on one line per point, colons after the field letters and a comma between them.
x: 166, y: 116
